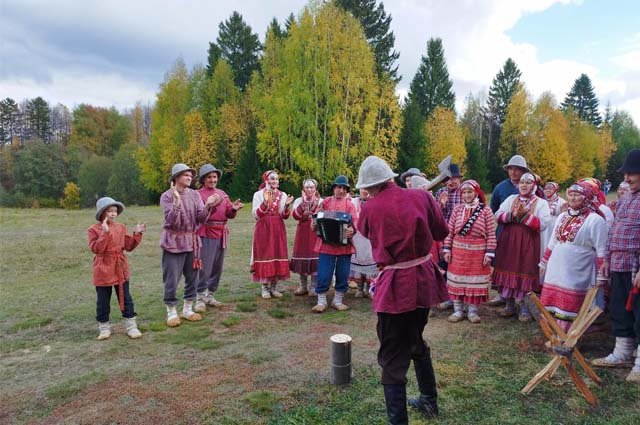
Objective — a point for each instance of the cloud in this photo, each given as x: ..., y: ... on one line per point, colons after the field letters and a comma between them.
x: 125, y: 47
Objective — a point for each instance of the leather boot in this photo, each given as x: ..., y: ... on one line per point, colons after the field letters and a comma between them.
x: 427, y: 402
x: 395, y: 397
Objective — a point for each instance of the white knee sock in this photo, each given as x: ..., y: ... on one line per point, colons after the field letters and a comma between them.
x: 473, y: 309
x: 624, y: 348
x: 337, y: 299
x: 322, y: 299
x: 458, y: 307
x: 636, y: 365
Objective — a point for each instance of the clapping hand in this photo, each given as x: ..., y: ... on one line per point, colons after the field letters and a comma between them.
x: 289, y: 201
x: 214, y: 200
x: 175, y: 193
x: 105, y: 226
x: 140, y: 228
x: 236, y: 205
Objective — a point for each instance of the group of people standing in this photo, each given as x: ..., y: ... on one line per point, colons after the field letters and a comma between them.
x: 408, y: 250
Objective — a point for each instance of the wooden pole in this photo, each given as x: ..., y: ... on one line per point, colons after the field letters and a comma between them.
x: 340, y: 359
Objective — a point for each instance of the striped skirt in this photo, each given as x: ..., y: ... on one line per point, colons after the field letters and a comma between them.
x: 467, y: 278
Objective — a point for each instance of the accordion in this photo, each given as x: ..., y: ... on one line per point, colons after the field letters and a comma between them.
x: 331, y: 226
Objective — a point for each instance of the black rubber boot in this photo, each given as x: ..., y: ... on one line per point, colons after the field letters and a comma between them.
x: 395, y: 396
x: 427, y: 403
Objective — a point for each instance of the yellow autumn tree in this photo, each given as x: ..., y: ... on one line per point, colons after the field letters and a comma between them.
x: 514, y: 131
x: 318, y: 103
x: 444, y: 136
x: 584, y: 147
x: 201, y: 148
x: 607, y: 148
x: 547, y: 147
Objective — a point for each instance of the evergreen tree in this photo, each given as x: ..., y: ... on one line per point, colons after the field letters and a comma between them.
x: 38, y: 116
x: 626, y: 136
x: 291, y: 20
x: 238, y: 46
x: 9, y: 114
x: 431, y: 87
x: 376, y: 23
x: 582, y: 99
x: 276, y: 29
x: 503, y: 87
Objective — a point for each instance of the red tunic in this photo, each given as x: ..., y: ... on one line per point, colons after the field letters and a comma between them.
x: 215, y: 227
x: 270, y: 260
x: 342, y: 205
x: 402, y: 225
x: 304, y: 259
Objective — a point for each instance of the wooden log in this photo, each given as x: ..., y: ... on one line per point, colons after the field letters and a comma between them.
x: 549, y: 368
x: 340, y: 359
x: 582, y: 386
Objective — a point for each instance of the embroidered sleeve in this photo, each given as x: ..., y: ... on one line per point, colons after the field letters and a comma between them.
x: 448, y: 241
x: 490, y: 232
x: 258, y: 208
x: 504, y: 215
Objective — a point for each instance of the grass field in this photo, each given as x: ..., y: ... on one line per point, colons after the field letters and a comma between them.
x: 252, y: 361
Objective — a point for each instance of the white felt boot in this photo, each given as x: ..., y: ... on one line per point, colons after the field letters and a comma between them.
x: 622, y: 355
x: 172, y: 316
x: 634, y: 375
x: 188, y: 313
x: 200, y: 307
x: 105, y: 330
x: 132, y: 328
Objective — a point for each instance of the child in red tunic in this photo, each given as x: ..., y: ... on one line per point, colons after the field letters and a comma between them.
x: 108, y: 240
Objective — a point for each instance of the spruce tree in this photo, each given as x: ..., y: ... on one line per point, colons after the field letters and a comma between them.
x: 503, y: 87
x: 239, y: 46
x: 375, y: 23
x: 582, y: 99
x: 431, y: 87
x: 276, y: 29
x: 9, y: 114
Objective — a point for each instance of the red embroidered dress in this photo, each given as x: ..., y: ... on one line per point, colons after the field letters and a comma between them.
x: 304, y: 259
x: 471, y: 236
x: 516, y: 267
x: 270, y: 257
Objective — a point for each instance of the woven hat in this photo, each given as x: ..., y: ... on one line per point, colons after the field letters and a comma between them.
x: 373, y: 171
x: 106, y: 202
x: 517, y: 161
x: 178, y: 169
x: 206, y: 169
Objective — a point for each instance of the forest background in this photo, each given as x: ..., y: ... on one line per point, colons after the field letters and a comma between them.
x: 312, y: 100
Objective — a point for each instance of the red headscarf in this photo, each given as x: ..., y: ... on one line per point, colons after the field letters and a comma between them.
x: 265, y: 178
x: 586, y: 189
x: 599, y: 196
x: 476, y: 188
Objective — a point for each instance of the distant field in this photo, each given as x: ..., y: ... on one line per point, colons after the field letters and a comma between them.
x: 253, y: 361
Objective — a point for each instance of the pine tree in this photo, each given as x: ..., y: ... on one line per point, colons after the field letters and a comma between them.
x: 38, y: 116
x: 238, y: 46
x: 376, y: 23
x: 277, y: 30
x: 582, y: 99
x: 503, y: 87
x: 9, y: 114
x: 291, y: 20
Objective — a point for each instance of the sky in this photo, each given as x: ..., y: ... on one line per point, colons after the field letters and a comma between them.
x: 116, y: 52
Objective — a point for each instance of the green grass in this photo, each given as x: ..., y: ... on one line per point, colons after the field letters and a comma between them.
x: 253, y: 361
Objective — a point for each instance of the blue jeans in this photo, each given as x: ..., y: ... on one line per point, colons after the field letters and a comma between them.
x: 327, y: 265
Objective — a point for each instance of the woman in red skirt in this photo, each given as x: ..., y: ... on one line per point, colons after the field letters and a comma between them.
x: 468, y: 249
x: 516, y: 269
x: 270, y: 258
x: 304, y: 259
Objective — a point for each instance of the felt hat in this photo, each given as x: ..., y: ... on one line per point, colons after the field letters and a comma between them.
x: 631, y: 162
x: 517, y: 161
x: 106, y: 202
x: 341, y: 181
x: 409, y: 173
x: 373, y: 171
x: 206, y: 169
x: 178, y: 169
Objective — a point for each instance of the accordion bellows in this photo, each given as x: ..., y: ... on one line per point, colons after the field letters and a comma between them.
x: 331, y: 226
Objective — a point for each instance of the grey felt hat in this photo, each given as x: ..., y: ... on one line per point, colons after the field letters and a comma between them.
x: 373, y: 171
x: 517, y: 161
x: 106, y: 202
x: 178, y: 169
x: 409, y: 173
x: 206, y: 169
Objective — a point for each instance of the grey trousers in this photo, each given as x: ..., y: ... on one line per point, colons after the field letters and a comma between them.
x: 212, y: 256
x: 173, y: 267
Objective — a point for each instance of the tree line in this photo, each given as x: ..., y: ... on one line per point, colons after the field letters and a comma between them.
x: 314, y: 99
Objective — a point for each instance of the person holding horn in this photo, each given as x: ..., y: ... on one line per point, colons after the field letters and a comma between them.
x: 214, y: 235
